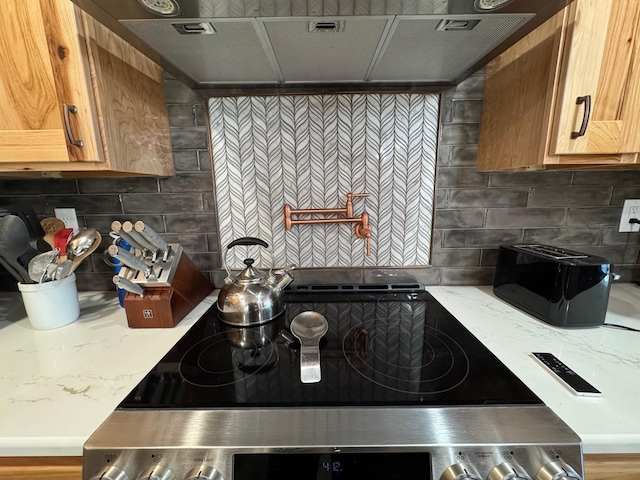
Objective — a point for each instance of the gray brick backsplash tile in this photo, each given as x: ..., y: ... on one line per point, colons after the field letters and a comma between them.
x: 623, y: 177
x: 177, y: 92
x: 569, y: 196
x: 191, y: 223
x: 186, y: 161
x: 466, y: 111
x: 528, y: 179
x: 456, y: 257
x: 613, y: 254
x: 464, y: 156
x: 38, y: 186
x: 459, y: 134
x: 191, y: 242
x: 611, y: 236
x: 213, y: 242
x: 162, y: 203
x: 525, y: 217
x: 200, y: 115
x: 84, y: 204
x: 206, y: 261
x: 188, y: 182
x: 460, y: 177
x: 33, y: 202
x: 620, y: 194
x: 592, y: 216
x: 499, y: 197
x: 489, y: 257
x: 194, y: 137
x: 460, y: 218
x: 204, y: 160
x: 564, y: 236
x: 446, y: 109
x: 118, y: 185
x: 481, y: 238
x: 437, y: 238
x: 444, y: 156
x: 467, y: 276
x: 182, y: 115
x: 627, y: 273
x: 209, y: 202
x: 441, y: 197
x: 471, y: 88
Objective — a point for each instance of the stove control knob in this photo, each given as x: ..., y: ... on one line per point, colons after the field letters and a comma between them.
x: 557, y: 471
x: 157, y: 472
x: 460, y: 471
x: 110, y: 473
x: 508, y: 471
x: 204, y: 472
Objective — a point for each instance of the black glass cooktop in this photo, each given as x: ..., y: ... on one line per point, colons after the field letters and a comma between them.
x: 381, y: 349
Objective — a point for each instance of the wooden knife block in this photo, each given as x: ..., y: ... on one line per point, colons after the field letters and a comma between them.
x: 166, y: 306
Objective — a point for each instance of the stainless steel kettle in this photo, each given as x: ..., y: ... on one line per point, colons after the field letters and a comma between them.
x: 253, y: 296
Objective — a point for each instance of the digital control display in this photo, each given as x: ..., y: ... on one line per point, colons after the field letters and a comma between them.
x: 332, y: 466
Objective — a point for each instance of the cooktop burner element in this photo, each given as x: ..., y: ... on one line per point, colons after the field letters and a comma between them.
x: 380, y: 349
x: 405, y: 393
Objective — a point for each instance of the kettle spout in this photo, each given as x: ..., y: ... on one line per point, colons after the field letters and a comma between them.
x: 282, y: 278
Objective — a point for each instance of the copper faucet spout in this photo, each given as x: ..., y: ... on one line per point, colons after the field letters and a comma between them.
x: 362, y: 228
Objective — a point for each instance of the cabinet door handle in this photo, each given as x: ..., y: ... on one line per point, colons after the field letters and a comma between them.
x: 69, y: 109
x: 585, y: 116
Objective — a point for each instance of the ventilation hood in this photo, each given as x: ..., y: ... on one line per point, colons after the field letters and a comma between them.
x: 213, y: 43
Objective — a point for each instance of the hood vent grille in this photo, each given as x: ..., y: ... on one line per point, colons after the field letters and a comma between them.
x: 370, y: 49
x: 456, y: 25
x: 326, y: 26
x: 268, y: 42
x: 194, y: 28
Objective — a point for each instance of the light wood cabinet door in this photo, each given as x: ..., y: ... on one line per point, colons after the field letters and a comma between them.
x: 530, y: 108
x: 41, y: 72
x: 601, y: 83
x: 77, y: 100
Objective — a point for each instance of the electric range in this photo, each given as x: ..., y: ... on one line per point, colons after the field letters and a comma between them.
x: 406, y: 393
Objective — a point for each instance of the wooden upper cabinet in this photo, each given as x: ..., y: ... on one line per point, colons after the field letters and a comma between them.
x: 75, y: 98
x: 568, y: 94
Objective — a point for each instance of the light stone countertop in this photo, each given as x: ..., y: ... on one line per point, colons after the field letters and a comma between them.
x: 57, y: 386
x: 608, y: 358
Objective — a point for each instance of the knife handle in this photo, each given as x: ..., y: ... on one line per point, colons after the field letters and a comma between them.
x: 128, y: 285
x: 127, y: 227
x: 151, y: 236
x: 130, y: 260
x: 116, y: 226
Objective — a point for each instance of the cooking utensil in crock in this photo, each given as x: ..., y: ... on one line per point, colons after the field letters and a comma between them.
x: 252, y: 297
x: 81, y: 248
x: 309, y: 327
x: 50, y: 226
x: 81, y: 242
x: 39, y: 265
x: 14, y: 241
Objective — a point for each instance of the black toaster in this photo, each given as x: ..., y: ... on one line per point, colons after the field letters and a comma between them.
x: 561, y: 287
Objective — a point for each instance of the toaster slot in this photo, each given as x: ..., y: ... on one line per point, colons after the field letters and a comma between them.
x: 552, y: 252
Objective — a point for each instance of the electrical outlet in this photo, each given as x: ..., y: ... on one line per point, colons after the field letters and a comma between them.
x: 630, y: 209
x: 68, y: 216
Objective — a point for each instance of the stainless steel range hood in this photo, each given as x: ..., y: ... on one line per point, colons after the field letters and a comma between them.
x: 214, y: 43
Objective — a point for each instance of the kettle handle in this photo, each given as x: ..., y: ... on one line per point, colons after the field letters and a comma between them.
x: 247, y: 241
